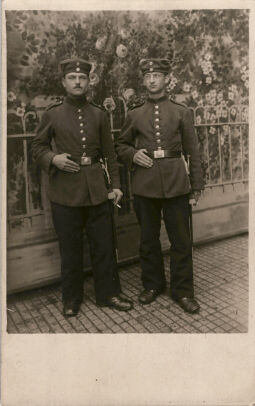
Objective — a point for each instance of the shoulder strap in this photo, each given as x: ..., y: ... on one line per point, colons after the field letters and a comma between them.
x: 96, y: 105
x: 179, y: 104
x: 55, y: 104
x: 136, y: 106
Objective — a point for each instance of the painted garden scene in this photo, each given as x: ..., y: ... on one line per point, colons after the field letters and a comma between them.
x: 208, y: 52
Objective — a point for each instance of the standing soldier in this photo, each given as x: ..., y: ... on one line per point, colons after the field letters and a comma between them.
x: 153, y: 139
x: 81, y: 136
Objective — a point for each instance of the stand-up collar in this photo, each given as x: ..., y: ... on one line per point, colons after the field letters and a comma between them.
x: 162, y: 98
x: 77, y: 101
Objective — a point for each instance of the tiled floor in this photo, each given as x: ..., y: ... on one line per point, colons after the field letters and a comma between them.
x: 221, y: 286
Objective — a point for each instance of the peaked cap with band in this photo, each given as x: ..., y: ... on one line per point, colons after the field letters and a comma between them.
x: 154, y: 65
x: 74, y: 65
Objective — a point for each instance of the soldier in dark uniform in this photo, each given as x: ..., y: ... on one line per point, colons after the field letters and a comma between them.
x: 70, y: 140
x: 152, y: 141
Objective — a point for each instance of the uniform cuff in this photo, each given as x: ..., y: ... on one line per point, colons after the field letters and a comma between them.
x: 46, y: 160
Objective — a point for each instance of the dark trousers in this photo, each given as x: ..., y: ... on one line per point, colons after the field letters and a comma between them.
x: 176, y: 218
x: 69, y: 224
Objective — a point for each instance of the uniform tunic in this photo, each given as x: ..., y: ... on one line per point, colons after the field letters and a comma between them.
x: 76, y: 127
x: 163, y: 188
x: 168, y: 125
x: 80, y: 200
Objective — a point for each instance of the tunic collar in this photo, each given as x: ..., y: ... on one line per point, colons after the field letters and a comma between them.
x: 76, y: 101
x: 162, y: 98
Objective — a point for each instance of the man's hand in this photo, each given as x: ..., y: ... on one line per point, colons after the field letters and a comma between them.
x: 140, y: 158
x: 118, y: 195
x: 194, y: 196
x: 62, y: 162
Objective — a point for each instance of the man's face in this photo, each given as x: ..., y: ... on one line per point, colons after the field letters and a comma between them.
x: 155, y: 82
x: 76, y: 84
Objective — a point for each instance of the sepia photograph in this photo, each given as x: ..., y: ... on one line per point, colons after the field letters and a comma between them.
x: 127, y: 171
x: 127, y: 198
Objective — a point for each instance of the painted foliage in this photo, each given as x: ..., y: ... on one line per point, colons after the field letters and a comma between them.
x: 208, y: 50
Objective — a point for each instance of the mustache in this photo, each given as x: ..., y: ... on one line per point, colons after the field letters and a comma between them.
x: 77, y: 87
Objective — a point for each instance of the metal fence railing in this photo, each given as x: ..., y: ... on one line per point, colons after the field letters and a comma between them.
x: 223, y: 140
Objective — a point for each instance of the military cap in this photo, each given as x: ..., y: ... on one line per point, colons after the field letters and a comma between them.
x: 74, y: 65
x: 154, y: 65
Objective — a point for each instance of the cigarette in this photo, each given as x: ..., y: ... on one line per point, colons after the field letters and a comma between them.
x: 118, y: 206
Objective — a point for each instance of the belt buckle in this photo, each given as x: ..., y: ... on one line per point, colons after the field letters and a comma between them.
x: 85, y: 160
x: 159, y: 153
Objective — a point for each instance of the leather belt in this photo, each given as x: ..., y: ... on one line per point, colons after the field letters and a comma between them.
x: 164, y: 153
x: 86, y: 160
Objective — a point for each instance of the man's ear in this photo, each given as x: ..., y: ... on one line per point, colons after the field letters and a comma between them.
x: 63, y: 81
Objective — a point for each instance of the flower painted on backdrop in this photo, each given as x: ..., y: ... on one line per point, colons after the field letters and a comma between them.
x: 203, y: 64
x: 109, y: 104
x: 233, y: 111
x: 223, y: 103
x: 173, y: 82
x: 145, y: 51
x: 208, y: 80
x: 245, y: 115
x: 23, y: 104
x: 20, y: 111
x: 128, y: 93
x: 93, y: 79
x: 212, y: 130
x: 186, y: 87
x: 173, y: 79
x: 123, y: 33
x: 233, y: 89
x: 208, y: 97
x: 220, y: 96
x: 100, y: 43
x: 230, y: 95
x: 198, y: 120
x: 194, y: 94
x: 11, y: 96
x: 208, y: 56
x: 225, y: 129
x: 213, y: 117
x: 224, y: 113
x: 209, y: 66
x: 170, y: 86
x: 206, y: 67
x: 121, y: 51
x: 200, y: 102
x: 218, y: 111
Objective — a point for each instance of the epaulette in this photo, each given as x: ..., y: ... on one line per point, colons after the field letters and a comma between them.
x: 96, y: 105
x: 136, y: 106
x: 55, y: 104
x: 180, y: 104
